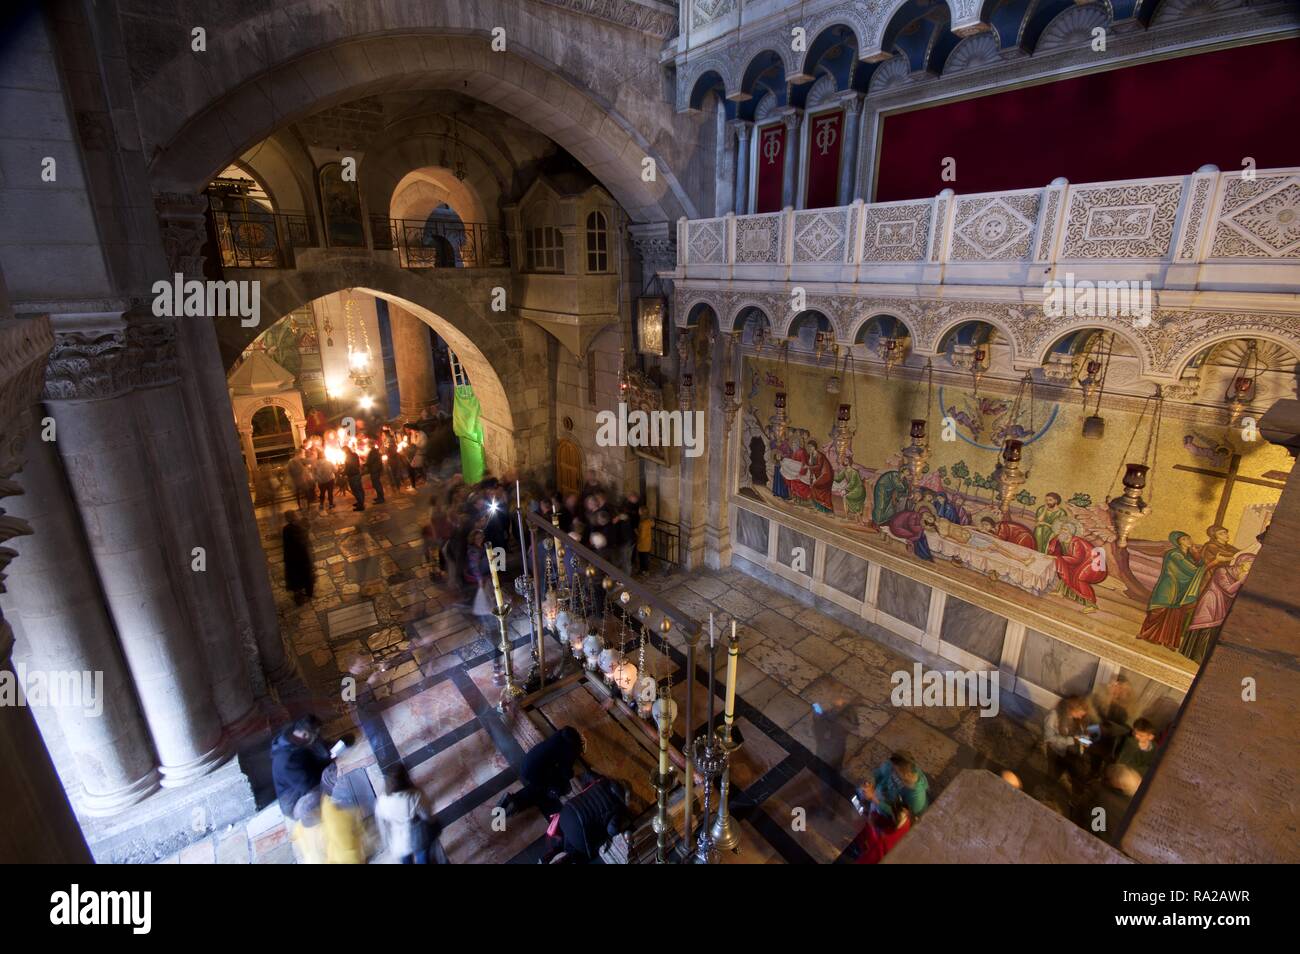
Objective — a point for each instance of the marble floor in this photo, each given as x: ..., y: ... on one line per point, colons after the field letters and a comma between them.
x: 424, y: 696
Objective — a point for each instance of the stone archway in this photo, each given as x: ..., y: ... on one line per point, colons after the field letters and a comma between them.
x: 455, y: 303
x: 437, y: 45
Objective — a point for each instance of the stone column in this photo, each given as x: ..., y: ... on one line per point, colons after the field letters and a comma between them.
x: 89, y: 390
x: 417, y: 388
x: 724, y: 161
x: 793, y: 157
x: 742, y: 166
x: 852, y: 103
x: 39, y: 826
x: 53, y: 590
x: 227, y: 479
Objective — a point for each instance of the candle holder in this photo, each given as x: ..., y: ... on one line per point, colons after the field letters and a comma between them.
x: 512, y: 691
x: 710, y: 761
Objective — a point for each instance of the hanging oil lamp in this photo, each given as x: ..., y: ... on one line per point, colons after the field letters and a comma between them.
x: 1128, y: 508
x: 1241, y: 390
x: 916, y: 454
x: 842, y: 432
x: 979, y: 365
x: 1009, y: 479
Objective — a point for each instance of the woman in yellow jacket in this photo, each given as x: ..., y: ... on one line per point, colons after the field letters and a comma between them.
x: 341, y: 820
x: 644, y: 540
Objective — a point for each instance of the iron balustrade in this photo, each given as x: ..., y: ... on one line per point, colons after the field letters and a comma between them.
x: 257, y: 238
x: 434, y: 244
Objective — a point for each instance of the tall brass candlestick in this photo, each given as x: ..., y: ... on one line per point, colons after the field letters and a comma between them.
x: 726, y: 833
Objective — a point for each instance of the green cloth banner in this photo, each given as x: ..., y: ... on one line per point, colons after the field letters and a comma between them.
x: 466, y: 425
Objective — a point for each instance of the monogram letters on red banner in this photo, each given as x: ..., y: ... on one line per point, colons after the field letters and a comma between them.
x: 825, y: 139
x: 771, y: 168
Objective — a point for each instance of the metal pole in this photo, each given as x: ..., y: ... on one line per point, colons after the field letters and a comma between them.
x: 537, y: 607
x: 689, y: 751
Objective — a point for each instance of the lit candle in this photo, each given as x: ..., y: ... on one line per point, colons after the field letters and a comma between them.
x: 496, y: 581
x: 663, y: 751
x: 713, y: 662
x: 733, y: 656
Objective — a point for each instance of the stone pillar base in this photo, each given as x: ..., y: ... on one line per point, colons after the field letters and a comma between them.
x: 176, y: 776
x: 114, y: 803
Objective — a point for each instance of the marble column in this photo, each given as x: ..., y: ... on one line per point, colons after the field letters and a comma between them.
x: 743, y: 130
x: 724, y: 161
x: 852, y: 103
x: 793, y: 158
x: 228, y: 480
x: 417, y: 387
x: 65, y: 628
x: 39, y: 825
x: 90, y: 391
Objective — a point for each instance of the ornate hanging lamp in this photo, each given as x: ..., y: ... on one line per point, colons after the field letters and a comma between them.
x: 359, y: 355
x: 917, y: 454
x: 1129, y: 507
x: 1009, y: 477
x: 1241, y: 389
x: 1094, y: 379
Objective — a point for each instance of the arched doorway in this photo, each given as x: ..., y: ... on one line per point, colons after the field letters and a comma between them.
x: 568, y: 467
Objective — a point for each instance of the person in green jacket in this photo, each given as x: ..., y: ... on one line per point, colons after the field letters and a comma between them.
x: 855, y: 492
x: 899, y: 780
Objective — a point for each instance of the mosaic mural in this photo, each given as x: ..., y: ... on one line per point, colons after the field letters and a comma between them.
x: 1166, y: 593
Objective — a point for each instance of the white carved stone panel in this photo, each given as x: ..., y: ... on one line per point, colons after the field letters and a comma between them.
x: 758, y: 239
x: 997, y: 228
x: 707, y: 242
x: 896, y: 233
x: 1122, y: 222
x: 1259, y: 218
x: 821, y: 235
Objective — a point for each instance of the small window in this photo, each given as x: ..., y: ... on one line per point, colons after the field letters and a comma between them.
x: 597, y: 243
x: 545, y: 249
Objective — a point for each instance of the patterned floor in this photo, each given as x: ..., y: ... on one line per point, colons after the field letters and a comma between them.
x: 425, y: 696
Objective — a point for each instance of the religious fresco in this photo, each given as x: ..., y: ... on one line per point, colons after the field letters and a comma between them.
x: 294, y: 344
x: 1166, y: 593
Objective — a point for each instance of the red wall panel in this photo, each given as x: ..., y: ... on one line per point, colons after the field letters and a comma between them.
x: 1158, y: 119
x: 770, y: 163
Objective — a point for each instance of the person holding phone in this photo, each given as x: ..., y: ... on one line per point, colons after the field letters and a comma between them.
x: 1066, y: 737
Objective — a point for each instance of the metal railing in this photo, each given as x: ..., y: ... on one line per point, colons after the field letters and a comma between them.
x: 442, y: 244
x: 253, y: 238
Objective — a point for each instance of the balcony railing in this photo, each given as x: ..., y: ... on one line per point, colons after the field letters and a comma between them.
x: 421, y: 244
x: 252, y: 238
x: 1207, y: 230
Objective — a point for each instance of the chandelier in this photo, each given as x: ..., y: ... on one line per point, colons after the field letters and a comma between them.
x: 358, y: 346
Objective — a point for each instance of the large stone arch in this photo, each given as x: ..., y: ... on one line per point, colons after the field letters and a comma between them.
x: 456, y: 306
x: 231, y: 100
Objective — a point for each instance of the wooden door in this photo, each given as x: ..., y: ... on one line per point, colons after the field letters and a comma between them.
x: 568, y: 467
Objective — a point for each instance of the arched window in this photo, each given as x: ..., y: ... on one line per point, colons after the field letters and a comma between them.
x: 545, y: 249
x: 597, y: 243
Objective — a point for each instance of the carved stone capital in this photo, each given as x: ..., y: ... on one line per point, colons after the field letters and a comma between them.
x: 182, y: 221
x: 105, y: 355
x: 656, y: 245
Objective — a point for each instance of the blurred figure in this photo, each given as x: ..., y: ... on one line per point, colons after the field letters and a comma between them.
x: 898, y: 780
x: 589, y: 820
x: 352, y: 471
x: 1012, y: 779
x: 323, y: 471
x: 307, y: 833
x: 298, y: 759
x: 476, y: 574
x: 303, y: 479
x: 341, y: 820
x: 1101, y: 806
x: 417, y: 445
x: 880, y: 834
x: 829, y: 733
x: 375, y: 468
x: 405, y: 819
x: 394, y: 461
x: 1067, y: 737
x: 299, y: 569
x: 1137, y: 749
x: 546, y: 771
x: 645, y: 529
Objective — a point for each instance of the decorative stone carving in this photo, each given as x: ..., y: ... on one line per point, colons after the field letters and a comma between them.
x: 977, y: 50
x: 638, y: 16
x: 182, y: 218
x: 656, y: 245
x: 758, y: 239
x: 103, y: 358
x: 821, y: 235
x: 1194, y: 218
x: 996, y: 228
x: 889, y: 75
x: 896, y: 233
x: 706, y: 241
x: 704, y: 12
x: 1259, y: 218
x: 1072, y: 28
x: 1119, y: 222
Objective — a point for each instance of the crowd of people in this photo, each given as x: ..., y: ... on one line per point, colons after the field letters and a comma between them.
x: 328, y: 826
